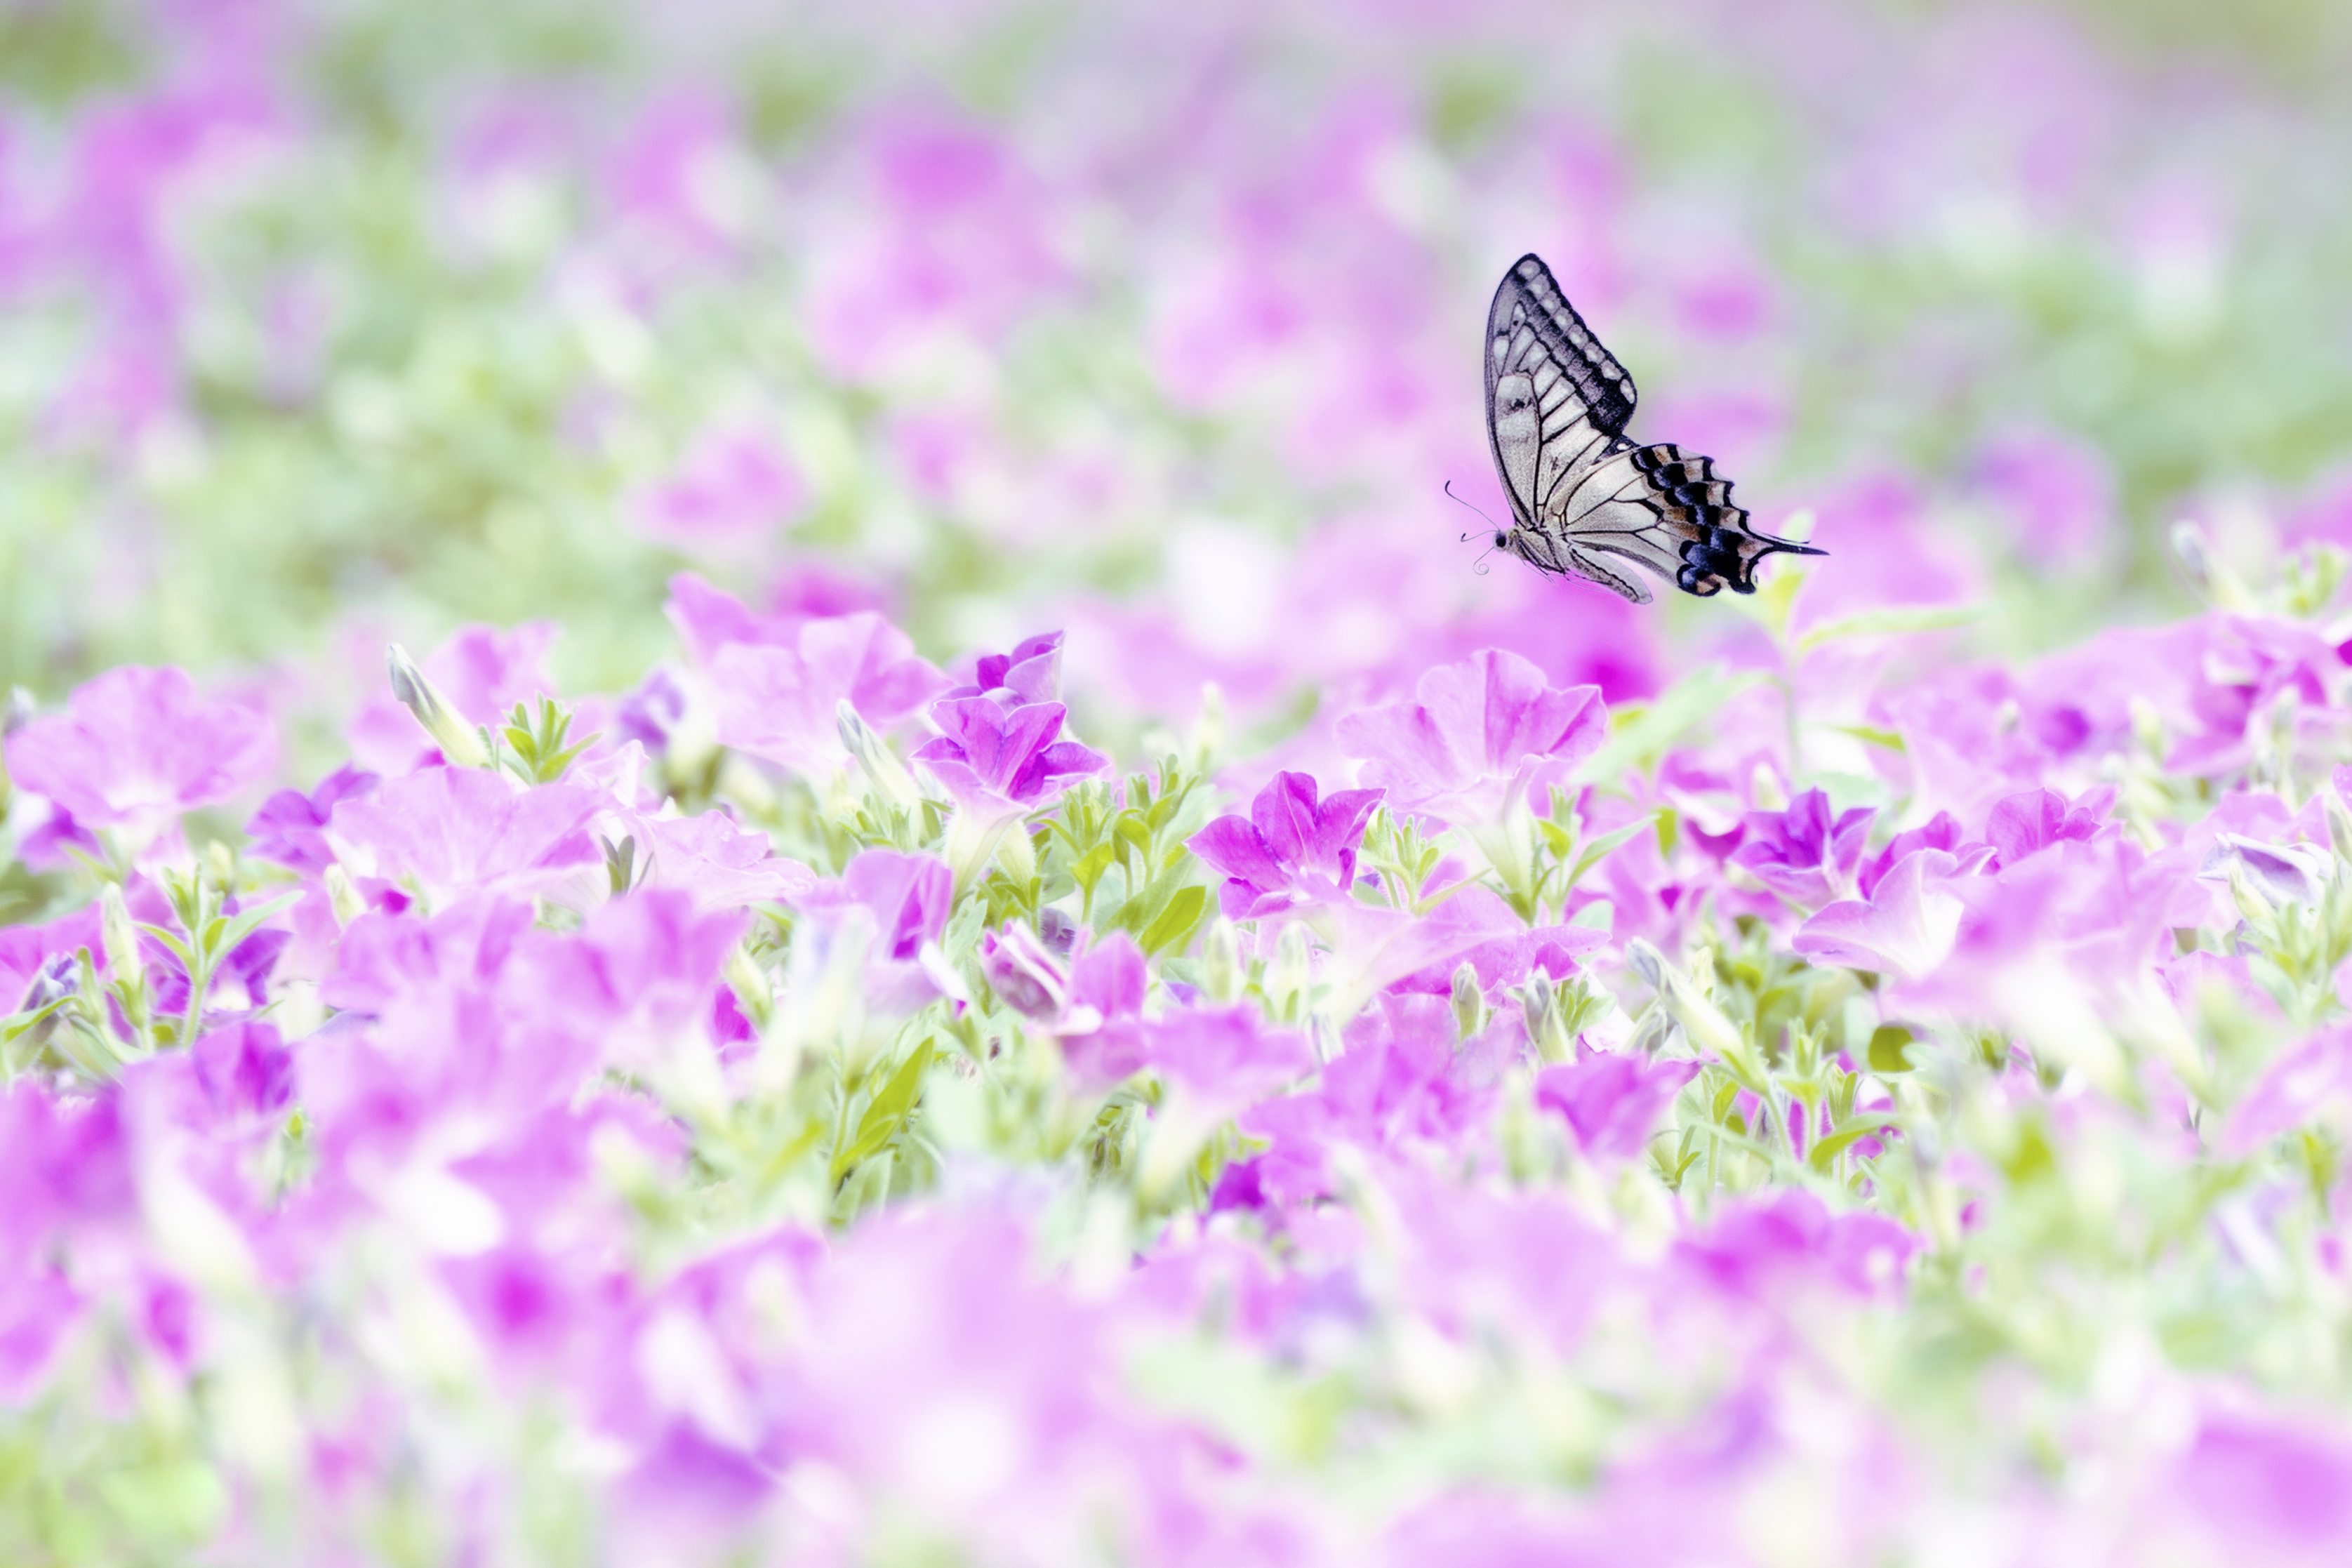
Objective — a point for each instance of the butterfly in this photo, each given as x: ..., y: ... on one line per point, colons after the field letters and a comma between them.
x: 1557, y: 404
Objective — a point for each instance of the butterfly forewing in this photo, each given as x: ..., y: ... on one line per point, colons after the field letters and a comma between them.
x: 1557, y: 405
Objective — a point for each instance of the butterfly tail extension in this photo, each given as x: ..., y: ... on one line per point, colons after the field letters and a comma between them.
x: 1716, y: 547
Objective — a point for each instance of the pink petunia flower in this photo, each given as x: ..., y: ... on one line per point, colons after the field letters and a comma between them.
x: 1290, y: 848
x: 782, y: 702
x: 1476, y: 738
x: 457, y: 831
x: 1801, y: 853
x: 138, y: 746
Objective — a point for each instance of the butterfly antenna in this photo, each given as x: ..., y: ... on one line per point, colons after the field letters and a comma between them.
x: 1448, y: 487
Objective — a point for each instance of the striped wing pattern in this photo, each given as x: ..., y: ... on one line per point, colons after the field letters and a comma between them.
x: 1557, y: 406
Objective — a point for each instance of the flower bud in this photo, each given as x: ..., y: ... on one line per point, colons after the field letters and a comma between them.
x: 1289, y: 977
x: 120, y: 937
x: 1018, y: 854
x: 750, y: 984
x: 1025, y: 975
x: 2207, y: 571
x: 1541, y: 1008
x: 461, y: 747
x: 2339, y: 824
x: 1222, y: 973
x: 1469, y: 1002
x: 1209, y: 731
x: 1709, y: 1029
x: 883, y: 770
x: 342, y: 896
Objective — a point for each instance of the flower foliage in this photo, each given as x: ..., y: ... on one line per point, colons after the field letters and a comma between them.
x: 1316, y: 1055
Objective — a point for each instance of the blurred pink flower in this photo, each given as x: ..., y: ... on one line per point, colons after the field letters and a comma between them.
x: 1907, y: 927
x: 1400, y: 1081
x: 2310, y: 1082
x: 641, y: 967
x: 136, y: 747
x: 1479, y: 737
x: 1612, y: 1102
x: 2056, y: 494
x: 1793, y: 1237
x: 458, y: 831
x: 716, y: 862
x: 1100, y: 1025
x: 782, y: 702
x: 732, y: 490
x: 289, y: 828
x: 1225, y: 1056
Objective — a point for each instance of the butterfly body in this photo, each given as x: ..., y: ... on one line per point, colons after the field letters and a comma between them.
x: 1584, y: 497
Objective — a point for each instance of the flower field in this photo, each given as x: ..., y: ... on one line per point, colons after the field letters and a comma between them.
x: 760, y: 806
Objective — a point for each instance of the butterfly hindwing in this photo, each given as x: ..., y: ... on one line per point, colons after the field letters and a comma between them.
x: 1662, y: 508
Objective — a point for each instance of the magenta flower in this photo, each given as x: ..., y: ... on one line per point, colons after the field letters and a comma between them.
x: 642, y: 968
x: 245, y: 1069
x: 456, y: 831
x: 1401, y: 1081
x: 1000, y: 760
x: 782, y: 701
x: 2024, y: 824
x: 137, y: 746
x: 1032, y: 672
x: 715, y: 861
x: 901, y: 903
x: 1612, y: 1102
x: 1907, y: 926
x: 1939, y: 832
x: 909, y: 895
x: 289, y: 828
x: 1792, y: 1239
x: 1290, y: 850
x: 1802, y: 854
x: 1477, y: 737
x: 1092, y: 1003
x: 1101, y: 1028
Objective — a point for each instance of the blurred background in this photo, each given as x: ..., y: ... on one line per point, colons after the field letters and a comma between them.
x: 326, y: 324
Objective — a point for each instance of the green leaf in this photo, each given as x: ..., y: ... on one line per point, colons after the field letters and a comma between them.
x: 1599, y: 849
x: 230, y: 932
x: 1176, y: 922
x: 23, y: 1022
x: 1847, y: 1133
x: 1643, y: 732
x: 1869, y: 735
x: 170, y: 940
x: 887, y: 1111
x: 1886, y: 1043
x: 1091, y: 867
x: 1891, y: 620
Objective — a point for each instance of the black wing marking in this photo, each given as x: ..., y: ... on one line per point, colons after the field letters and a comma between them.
x: 1556, y: 400
x: 1659, y: 507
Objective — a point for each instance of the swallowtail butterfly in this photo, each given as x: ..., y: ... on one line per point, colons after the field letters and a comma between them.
x: 1557, y: 404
